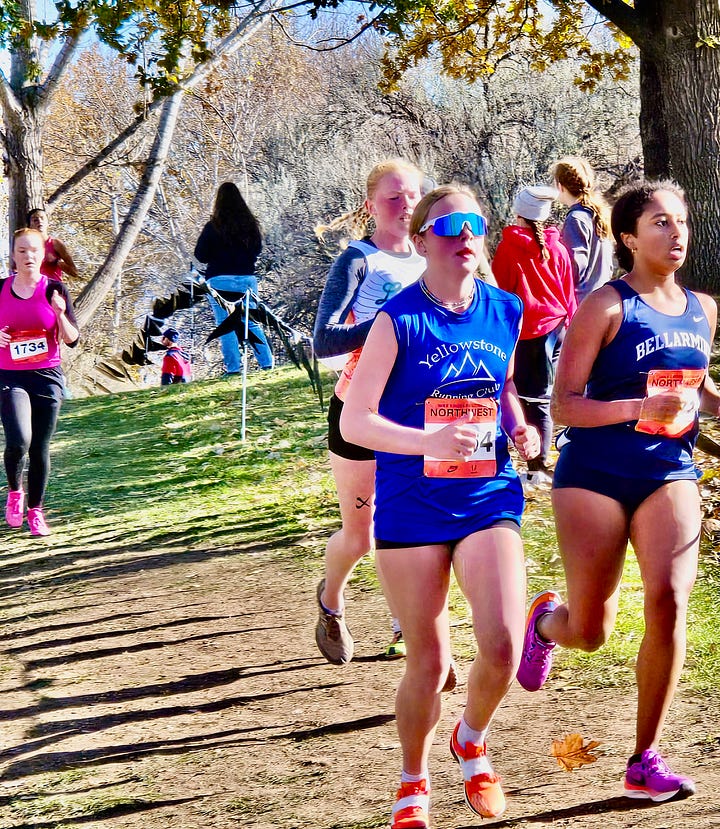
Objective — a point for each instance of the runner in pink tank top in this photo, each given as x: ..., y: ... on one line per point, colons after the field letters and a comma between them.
x: 57, y: 259
x: 36, y: 316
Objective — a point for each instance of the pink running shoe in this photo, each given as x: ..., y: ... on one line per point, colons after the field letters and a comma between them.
x: 36, y: 522
x: 536, y: 658
x: 650, y: 778
x: 15, y: 507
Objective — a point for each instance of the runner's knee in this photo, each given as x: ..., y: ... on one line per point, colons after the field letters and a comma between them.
x: 499, y: 653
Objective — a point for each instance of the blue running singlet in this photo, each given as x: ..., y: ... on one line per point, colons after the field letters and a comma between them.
x: 647, y: 341
x: 444, y: 359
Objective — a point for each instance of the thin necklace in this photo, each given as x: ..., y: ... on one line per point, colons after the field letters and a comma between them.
x: 451, y: 306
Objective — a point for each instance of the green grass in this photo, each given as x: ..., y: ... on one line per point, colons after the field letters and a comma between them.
x: 153, y: 477
x: 163, y: 471
x: 62, y: 797
x: 167, y: 469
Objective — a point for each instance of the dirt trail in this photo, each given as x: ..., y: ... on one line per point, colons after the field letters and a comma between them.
x: 185, y: 691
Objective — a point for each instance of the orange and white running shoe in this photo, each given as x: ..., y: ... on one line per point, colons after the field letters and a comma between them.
x: 483, y: 793
x: 412, y: 806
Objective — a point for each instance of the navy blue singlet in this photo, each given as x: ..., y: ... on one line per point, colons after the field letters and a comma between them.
x: 646, y: 340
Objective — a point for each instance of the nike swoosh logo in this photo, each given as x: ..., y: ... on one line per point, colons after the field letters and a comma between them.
x: 698, y: 319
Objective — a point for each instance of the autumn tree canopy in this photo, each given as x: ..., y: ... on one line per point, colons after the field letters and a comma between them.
x: 172, y: 46
x: 169, y: 43
x: 678, y: 42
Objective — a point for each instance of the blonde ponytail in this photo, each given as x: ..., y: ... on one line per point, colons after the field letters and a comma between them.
x: 358, y: 222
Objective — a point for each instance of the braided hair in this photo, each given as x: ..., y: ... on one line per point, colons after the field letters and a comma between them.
x: 538, y: 231
x: 577, y: 177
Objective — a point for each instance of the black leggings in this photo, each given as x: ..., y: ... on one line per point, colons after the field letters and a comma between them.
x: 29, y: 408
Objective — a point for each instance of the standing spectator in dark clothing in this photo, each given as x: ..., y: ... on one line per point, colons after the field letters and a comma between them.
x: 176, y: 366
x: 230, y: 244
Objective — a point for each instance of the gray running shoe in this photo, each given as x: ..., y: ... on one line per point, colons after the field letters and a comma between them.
x: 332, y: 635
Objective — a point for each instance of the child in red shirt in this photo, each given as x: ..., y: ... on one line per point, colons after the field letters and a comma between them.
x: 176, y: 366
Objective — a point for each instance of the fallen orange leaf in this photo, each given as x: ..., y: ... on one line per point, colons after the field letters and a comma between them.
x: 573, y: 752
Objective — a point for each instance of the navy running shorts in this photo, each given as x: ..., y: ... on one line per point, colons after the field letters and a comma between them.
x: 629, y: 492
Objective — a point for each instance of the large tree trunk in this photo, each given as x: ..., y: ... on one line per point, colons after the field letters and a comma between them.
x: 24, y: 107
x: 92, y: 296
x: 680, y: 111
x: 653, y: 128
x: 24, y: 160
x: 688, y: 77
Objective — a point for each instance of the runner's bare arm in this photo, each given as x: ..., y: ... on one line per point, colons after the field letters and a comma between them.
x: 65, y: 261
x: 710, y: 396
x: 68, y: 331
x: 525, y: 437
x: 593, y: 326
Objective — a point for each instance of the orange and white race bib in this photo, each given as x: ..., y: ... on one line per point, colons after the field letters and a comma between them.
x: 343, y: 382
x: 482, y: 463
x: 28, y: 346
x: 685, y: 381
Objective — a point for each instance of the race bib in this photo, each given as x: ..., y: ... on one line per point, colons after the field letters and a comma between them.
x: 482, y: 463
x: 343, y: 381
x: 685, y: 381
x: 28, y: 346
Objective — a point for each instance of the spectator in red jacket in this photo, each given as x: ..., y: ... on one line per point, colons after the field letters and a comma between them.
x: 532, y: 262
x: 176, y: 366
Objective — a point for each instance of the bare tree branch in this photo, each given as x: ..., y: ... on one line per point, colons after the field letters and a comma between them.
x: 93, y: 294
x: 230, y: 44
x: 626, y: 18
x: 8, y: 99
x: 59, y: 66
x: 344, y: 41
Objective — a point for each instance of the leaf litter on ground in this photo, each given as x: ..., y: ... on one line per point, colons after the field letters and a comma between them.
x: 572, y: 752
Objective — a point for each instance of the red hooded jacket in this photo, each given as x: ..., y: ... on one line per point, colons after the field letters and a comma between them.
x: 545, y: 286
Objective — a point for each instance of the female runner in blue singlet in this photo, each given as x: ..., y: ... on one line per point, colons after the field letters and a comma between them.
x: 433, y: 395
x: 631, y: 379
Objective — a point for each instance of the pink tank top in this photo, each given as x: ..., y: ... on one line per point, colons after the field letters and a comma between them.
x: 33, y: 328
x: 51, y: 263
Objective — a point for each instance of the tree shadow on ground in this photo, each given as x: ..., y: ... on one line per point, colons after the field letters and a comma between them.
x: 116, y: 810
x: 62, y: 729
x: 6, y: 800
x: 64, y: 761
x: 133, y: 564
x: 187, y: 685
x: 109, y: 634
x: 27, y: 633
x: 140, y: 647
